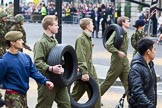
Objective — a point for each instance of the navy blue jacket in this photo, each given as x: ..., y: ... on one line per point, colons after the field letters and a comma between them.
x: 142, y: 87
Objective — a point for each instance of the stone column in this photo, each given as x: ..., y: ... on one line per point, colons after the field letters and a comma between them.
x: 122, y: 7
x: 134, y: 13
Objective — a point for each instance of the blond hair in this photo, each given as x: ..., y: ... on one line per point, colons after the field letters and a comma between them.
x: 84, y: 22
x: 122, y: 19
x: 48, y: 20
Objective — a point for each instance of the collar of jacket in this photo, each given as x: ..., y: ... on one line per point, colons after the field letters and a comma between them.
x: 18, y: 24
x: 125, y: 33
x: 87, y: 36
x: 139, y: 59
x: 140, y: 32
x: 2, y: 22
x: 51, y: 38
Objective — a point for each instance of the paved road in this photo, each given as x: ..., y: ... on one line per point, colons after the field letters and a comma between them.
x: 110, y: 99
x: 101, y: 59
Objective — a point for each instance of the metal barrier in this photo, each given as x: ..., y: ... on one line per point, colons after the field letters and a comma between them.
x: 27, y: 17
x: 36, y: 17
x: 72, y: 19
x: 148, y: 28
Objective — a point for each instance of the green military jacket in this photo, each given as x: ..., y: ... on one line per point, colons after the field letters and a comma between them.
x: 134, y: 39
x: 41, y: 51
x: 111, y: 48
x: 19, y: 27
x: 3, y: 31
x: 83, y: 47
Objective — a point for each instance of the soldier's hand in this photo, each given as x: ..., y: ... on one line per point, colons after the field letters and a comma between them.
x: 85, y: 77
x: 49, y: 85
x: 57, y: 69
x: 78, y: 69
x: 121, y: 54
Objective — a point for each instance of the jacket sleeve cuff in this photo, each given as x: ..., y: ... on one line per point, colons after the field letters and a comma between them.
x: 45, y: 68
x: 83, y: 71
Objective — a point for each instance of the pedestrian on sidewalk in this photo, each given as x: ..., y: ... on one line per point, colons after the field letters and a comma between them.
x: 41, y: 50
x: 119, y: 61
x: 160, y: 37
x: 142, y: 87
x: 139, y: 34
x: 83, y: 48
x: 16, y: 70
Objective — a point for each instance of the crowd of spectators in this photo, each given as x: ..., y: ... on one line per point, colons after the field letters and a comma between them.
x: 68, y: 9
x: 102, y: 14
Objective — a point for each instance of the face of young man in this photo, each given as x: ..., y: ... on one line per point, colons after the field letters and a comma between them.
x: 126, y: 24
x: 54, y: 28
x: 4, y: 18
x: 18, y: 44
x: 22, y: 22
x: 90, y: 27
x: 152, y: 52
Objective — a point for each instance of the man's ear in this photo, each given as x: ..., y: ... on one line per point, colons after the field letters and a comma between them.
x: 49, y: 27
x: 12, y: 42
x: 148, y: 51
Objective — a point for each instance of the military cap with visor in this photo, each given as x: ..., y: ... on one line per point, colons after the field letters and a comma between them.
x: 13, y: 35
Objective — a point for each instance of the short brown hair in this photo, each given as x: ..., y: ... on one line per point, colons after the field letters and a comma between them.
x: 122, y: 19
x: 84, y: 22
x: 48, y: 20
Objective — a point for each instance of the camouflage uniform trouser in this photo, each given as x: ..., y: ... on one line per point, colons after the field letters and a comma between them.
x: 15, y: 101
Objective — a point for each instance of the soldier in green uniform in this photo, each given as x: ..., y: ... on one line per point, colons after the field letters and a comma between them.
x: 18, y: 26
x: 41, y: 50
x: 83, y: 48
x: 139, y: 34
x: 3, y: 31
x: 19, y: 21
x: 119, y: 66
